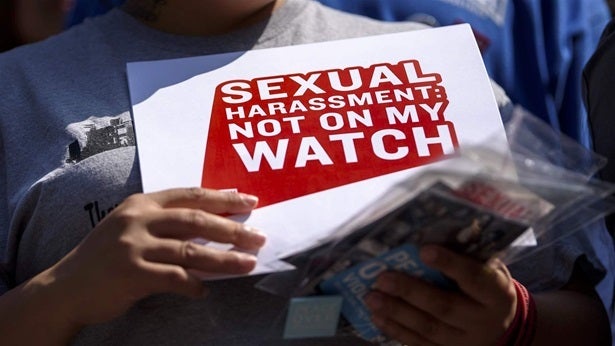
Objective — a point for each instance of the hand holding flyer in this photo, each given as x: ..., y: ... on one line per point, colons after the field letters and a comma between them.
x: 478, y: 215
x: 317, y: 138
x: 437, y: 215
x: 337, y: 142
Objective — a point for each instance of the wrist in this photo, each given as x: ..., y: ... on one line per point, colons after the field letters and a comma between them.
x: 36, y: 312
x: 53, y: 305
x: 522, y: 329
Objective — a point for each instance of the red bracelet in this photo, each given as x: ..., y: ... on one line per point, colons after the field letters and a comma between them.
x: 521, y: 330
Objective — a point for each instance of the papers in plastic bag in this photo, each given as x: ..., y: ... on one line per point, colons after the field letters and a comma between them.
x: 502, y: 200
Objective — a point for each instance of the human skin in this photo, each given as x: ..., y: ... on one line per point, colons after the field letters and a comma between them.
x: 418, y: 313
x: 36, y: 20
x: 141, y: 248
x: 200, y: 17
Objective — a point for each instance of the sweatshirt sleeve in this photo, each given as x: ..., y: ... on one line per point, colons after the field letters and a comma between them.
x: 4, y: 217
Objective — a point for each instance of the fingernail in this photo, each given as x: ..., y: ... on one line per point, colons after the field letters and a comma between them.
x: 247, y: 258
x: 429, y: 255
x: 385, y: 284
x: 254, y: 235
x: 378, y: 321
x: 248, y: 200
x: 374, y: 301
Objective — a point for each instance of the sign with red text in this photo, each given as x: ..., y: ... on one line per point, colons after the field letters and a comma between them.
x: 345, y: 125
x: 317, y: 131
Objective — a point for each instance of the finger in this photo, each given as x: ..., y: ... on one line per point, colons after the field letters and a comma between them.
x: 213, y: 201
x: 191, y: 223
x: 189, y: 254
x: 486, y: 283
x: 447, y: 306
x: 399, y: 333
x: 166, y: 278
x: 385, y: 307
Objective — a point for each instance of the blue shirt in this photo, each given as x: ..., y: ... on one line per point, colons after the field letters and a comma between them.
x: 535, y: 49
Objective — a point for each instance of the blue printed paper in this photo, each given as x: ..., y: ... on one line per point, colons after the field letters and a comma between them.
x: 355, y: 282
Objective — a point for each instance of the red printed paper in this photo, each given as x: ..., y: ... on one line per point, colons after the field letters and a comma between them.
x: 286, y: 136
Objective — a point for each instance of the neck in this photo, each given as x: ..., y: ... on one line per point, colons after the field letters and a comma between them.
x: 200, y: 17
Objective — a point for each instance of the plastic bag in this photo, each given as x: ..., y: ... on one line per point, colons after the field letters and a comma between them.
x: 498, y: 199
